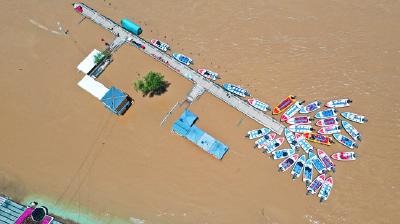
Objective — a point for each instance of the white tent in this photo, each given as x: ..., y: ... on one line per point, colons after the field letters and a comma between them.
x: 93, y: 87
x: 89, y: 62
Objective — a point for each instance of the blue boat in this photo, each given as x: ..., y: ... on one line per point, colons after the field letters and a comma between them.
x: 182, y: 58
x: 236, y: 90
x: 326, y: 114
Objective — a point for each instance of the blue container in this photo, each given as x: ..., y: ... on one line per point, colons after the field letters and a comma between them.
x: 131, y: 26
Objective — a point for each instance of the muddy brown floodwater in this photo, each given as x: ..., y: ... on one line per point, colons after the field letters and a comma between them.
x: 58, y: 141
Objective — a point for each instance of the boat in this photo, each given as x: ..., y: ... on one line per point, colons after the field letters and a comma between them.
x: 338, y: 103
x: 298, y: 167
x: 317, y: 163
x: 208, y: 74
x: 316, y: 184
x: 300, y: 120
x: 259, y: 105
x: 327, y: 122
x: 287, y: 163
x: 274, y: 144
x: 313, y: 106
x: 351, y: 130
x: 344, y: 156
x: 303, y: 143
x: 308, y: 172
x: 261, y: 142
x: 257, y: 133
x: 328, y: 130
x: 345, y: 141
x: 326, y: 160
x: 354, y: 117
x: 284, y: 104
x: 160, y: 45
x: 326, y: 113
x: 292, y: 110
x: 283, y: 153
x: 182, y: 59
x: 300, y: 128
x: 291, y: 139
x: 326, y: 189
x: 318, y: 138
x: 236, y: 90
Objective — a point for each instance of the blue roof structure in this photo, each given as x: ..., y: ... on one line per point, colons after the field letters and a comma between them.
x: 116, y: 101
x: 185, y: 127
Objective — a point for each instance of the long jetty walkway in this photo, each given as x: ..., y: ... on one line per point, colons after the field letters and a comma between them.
x: 209, y: 86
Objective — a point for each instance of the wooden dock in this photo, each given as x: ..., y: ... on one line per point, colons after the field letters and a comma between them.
x: 124, y: 36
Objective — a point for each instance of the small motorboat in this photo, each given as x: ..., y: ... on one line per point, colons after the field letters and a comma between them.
x: 182, y: 59
x: 208, y: 74
x: 160, y: 45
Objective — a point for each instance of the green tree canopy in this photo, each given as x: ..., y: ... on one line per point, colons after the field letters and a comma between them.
x: 153, y: 84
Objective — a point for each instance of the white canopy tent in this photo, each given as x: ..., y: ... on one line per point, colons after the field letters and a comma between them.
x: 93, y: 87
x: 89, y: 62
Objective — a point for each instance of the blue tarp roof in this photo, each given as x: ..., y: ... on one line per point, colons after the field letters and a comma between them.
x: 185, y: 128
x: 113, y: 99
x: 188, y: 117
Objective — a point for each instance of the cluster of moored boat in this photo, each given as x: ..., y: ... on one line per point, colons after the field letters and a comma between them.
x: 300, y: 133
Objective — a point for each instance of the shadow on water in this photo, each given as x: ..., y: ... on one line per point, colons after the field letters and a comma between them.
x: 161, y: 90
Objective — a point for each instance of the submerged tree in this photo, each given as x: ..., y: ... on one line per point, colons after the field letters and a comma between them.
x: 152, y: 84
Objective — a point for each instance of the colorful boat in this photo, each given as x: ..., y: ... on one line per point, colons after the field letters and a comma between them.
x: 308, y: 172
x: 257, y: 133
x: 272, y: 145
x: 291, y: 139
x: 326, y: 113
x: 283, y: 153
x: 327, y: 122
x: 338, y: 103
x: 328, y: 130
x: 326, y: 189
x: 298, y: 167
x: 261, y: 142
x: 236, y: 90
x: 300, y: 120
x: 160, y: 45
x: 287, y: 163
x: 351, y: 130
x: 292, y: 110
x: 303, y: 143
x: 301, y: 128
x: 284, y: 104
x: 316, y: 184
x: 354, y: 117
x: 259, y: 105
x: 317, y: 163
x: 208, y: 74
x: 318, y: 138
x: 345, y: 141
x: 313, y: 106
x: 326, y: 160
x: 182, y: 59
x: 344, y: 156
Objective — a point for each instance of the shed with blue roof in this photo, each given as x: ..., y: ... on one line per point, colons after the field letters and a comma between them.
x: 185, y: 127
x: 116, y: 101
